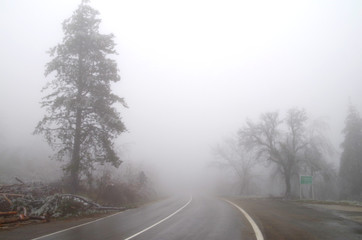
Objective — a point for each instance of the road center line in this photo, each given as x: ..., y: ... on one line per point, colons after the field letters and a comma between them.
x: 258, y: 234
x: 169, y: 216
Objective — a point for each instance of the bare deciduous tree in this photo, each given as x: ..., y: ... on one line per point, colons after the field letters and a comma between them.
x: 275, y: 144
x: 233, y: 155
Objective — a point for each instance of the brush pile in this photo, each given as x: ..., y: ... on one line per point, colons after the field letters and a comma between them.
x: 36, y: 201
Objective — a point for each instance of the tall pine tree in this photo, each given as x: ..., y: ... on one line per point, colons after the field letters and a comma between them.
x: 81, y: 121
x: 350, y: 171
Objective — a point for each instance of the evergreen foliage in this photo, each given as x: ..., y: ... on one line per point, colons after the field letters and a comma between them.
x: 350, y: 171
x: 81, y: 121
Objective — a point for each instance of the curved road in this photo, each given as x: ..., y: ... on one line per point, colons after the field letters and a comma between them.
x: 196, y: 217
x: 202, y: 217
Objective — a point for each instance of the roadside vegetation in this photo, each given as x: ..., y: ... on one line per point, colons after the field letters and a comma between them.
x: 81, y: 122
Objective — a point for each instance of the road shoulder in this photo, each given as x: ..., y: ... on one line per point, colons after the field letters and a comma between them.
x: 284, y: 219
x: 351, y: 212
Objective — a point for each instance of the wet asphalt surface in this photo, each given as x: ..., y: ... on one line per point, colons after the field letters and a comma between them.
x: 203, y: 218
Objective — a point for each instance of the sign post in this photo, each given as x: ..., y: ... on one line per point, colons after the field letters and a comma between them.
x: 305, y: 180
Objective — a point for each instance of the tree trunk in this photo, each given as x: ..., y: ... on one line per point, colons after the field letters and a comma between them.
x: 75, y: 162
x: 311, y: 188
x: 287, y: 183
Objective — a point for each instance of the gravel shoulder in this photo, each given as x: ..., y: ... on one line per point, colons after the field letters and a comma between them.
x: 353, y: 213
x: 282, y: 219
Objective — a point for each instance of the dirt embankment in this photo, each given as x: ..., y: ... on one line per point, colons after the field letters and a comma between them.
x: 279, y: 219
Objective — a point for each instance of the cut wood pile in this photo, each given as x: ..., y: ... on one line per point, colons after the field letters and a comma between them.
x: 36, y: 201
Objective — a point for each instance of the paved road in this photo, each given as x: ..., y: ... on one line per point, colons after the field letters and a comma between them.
x: 204, y: 217
x: 198, y: 217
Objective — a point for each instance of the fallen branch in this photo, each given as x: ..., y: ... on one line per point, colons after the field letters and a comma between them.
x: 95, y: 205
x: 13, y: 194
x: 8, y: 213
x: 83, y: 199
x: 10, y: 186
x: 19, y: 180
x: 7, y: 199
x: 5, y: 195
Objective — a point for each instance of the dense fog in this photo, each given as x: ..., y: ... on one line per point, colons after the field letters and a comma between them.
x: 192, y: 73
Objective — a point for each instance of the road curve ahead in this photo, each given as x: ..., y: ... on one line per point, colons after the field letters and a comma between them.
x: 196, y: 217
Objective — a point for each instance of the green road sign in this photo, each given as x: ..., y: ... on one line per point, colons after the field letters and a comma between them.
x: 306, y: 179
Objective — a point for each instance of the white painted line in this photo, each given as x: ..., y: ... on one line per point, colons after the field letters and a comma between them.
x: 258, y: 234
x: 99, y: 219
x: 169, y: 216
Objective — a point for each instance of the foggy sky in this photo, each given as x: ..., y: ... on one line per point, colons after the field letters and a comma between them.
x: 192, y: 71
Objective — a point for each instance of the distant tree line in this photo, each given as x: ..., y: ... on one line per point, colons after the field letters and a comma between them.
x: 294, y: 145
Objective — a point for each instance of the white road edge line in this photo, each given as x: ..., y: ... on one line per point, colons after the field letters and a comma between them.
x: 258, y: 234
x: 169, y: 216
x: 80, y: 225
